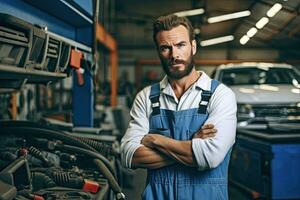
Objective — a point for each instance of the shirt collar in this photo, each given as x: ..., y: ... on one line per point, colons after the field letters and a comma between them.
x: 204, y: 83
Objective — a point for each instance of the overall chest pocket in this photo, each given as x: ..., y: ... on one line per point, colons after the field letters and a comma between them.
x: 161, y: 131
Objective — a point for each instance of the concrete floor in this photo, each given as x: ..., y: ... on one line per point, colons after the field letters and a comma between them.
x: 136, y: 184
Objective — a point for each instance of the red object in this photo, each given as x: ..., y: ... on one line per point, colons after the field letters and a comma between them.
x: 23, y: 152
x: 75, y: 58
x: 90, y: 186
x: 37, y: 197
x: 255, y: 195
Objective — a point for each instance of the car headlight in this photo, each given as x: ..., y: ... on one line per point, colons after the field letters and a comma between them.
x: 245, y: 112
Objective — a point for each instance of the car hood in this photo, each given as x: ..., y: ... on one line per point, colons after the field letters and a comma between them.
x: 266, y: 94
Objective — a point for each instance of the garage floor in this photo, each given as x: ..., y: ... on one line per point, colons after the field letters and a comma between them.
x: 137, y: 178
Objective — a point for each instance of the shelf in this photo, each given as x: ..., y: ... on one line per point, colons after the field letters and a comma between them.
x: 69, y: 18
x: 12, y: 73
x: 72, y: 13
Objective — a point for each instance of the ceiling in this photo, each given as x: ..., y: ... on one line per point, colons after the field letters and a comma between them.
x: 131, y: 22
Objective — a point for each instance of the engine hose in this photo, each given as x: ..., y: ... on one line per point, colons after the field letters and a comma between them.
x: 101, y: 147
x: 47, y: 133
x: 110, y: 178
x: 52, y: 134
x: 36, y: 128
x: 8, y: 156
x: 61, y: 177
x: 90, y: 153
x: 38, y: 154
x: 67, y: 179
x: 41, y: 180
x: 20, y: 123
x: 103, y: 168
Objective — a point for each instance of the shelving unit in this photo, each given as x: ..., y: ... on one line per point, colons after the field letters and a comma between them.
x: 32, y: 76
x: 60, y: 33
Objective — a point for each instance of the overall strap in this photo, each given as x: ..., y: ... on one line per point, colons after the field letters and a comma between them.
x: 154, y: 98
x: 205, y: 96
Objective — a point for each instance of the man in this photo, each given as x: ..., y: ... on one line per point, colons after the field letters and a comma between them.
x: 167, y: 134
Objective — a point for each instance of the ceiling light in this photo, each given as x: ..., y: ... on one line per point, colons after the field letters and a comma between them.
x: 228, y: 16
x: 252, y: 31
x: 274, y: 10
x: 244, y: 39
x: 198, y: 11
x: 216, y: 40
x: 262, y: 22
x: 197, y: 31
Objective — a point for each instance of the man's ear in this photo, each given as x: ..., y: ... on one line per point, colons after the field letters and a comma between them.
x: 194, y: 47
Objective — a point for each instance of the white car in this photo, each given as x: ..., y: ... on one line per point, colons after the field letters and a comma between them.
x: 268, y: 94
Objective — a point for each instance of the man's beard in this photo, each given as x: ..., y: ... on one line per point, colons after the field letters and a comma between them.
x: 176, y: 75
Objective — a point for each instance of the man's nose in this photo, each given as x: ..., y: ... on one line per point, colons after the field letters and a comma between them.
x: 174, y: 53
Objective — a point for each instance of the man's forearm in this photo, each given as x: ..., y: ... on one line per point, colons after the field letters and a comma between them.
x: 145, y: 157
x: 180, y: 151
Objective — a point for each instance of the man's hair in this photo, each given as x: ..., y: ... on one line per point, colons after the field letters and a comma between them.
x: 168, y: 22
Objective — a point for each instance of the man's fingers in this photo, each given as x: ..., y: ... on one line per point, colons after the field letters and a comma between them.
x: 211, y: 135
x: 208, y: 136
x: 207, y: 126
x: 208, y: 131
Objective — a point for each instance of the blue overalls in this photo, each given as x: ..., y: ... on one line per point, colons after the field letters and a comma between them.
x: 179, y: 182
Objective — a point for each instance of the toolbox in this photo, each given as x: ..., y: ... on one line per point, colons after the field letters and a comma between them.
x: 267, y: 165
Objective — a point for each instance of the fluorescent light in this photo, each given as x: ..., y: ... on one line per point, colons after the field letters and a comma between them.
x: 252, y: 31
x: 274, y: 10
x: 262, y: 22
x: 228, y: 16
x: 268, y: 87
x: 197, y: 31
x: 216, y: 40
x: 244, y: 39
x: 198, y: 11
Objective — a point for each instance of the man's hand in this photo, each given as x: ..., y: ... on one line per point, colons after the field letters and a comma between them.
x: 207, y: 131
x: 149, y: 139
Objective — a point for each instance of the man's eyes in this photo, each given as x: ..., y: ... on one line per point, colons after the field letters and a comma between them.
x: 164, y: 48
x: 180, y: 45
x: 168, y: 48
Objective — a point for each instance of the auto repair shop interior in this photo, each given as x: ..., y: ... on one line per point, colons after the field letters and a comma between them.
x: 70, y: 72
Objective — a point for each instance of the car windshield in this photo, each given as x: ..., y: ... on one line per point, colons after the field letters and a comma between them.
x: 257, y: 76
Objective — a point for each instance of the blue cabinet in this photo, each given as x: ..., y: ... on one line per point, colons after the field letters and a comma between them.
x: 267, y: 164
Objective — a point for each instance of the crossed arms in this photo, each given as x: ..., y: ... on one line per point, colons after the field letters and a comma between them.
x: 159, y: 151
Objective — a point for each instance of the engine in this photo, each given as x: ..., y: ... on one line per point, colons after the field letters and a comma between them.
x: 40, y: 162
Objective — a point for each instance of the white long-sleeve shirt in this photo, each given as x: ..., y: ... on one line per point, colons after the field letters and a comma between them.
x: 209, y: 153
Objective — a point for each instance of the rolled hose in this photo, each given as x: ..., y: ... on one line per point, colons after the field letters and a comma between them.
x: 50, y: 134
x: 106, y: 172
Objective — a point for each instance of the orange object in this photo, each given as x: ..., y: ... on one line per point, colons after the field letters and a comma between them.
x: 75, y: 58
x: 90, y: 186
x: 104, y: 38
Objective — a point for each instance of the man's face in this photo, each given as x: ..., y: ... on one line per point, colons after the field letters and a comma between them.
x: 176, y: 52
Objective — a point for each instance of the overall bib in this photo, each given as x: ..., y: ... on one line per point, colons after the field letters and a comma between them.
x: 179, y: 182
